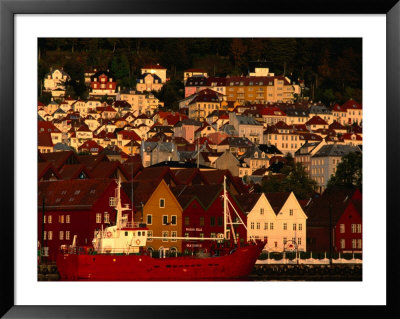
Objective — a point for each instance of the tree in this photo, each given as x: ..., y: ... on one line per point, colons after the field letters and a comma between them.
x: 348, y: 173
x: 294, y: 179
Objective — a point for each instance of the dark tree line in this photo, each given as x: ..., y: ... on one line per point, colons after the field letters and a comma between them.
x: 331, y: 67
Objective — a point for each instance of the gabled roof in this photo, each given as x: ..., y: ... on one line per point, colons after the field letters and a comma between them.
x: 76, y: 194
x: 140, y: 191
x: 108, y: 170
x: 335, y: 150
x: 318, y: 209
x: 47, y: 126
x: 316, y: 120
x: 58, y: 159
x: 247, y: 201
x: 277, y: 200
x: 44, y: 139
x: 351, y: 104
x: 205, y: 194
x: 155, y: 173
x: 129, y: 135
x: 91, y: 161
x: 74, y: 171
x: 45, y: 167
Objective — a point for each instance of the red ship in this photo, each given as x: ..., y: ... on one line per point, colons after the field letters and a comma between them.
x: 116, y: 256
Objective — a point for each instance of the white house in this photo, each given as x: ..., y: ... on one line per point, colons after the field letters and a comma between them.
x: 276, y: 217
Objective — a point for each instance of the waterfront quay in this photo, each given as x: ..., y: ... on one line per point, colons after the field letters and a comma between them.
x: 302, y: 272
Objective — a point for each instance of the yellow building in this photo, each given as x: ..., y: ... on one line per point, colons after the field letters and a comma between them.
x: 260, y: 89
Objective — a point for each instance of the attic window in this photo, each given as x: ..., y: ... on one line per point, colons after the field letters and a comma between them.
x: 63, y: 192
x: 92, y: 191
x: 77, y: 192
x: 58, y: 200
x: 71, y: 199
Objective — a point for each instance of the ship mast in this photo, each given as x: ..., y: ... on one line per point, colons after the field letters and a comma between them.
x: 225, y: 207
x: 118, y: 206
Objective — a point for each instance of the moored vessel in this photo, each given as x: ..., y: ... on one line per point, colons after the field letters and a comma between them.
x: 118, y: 254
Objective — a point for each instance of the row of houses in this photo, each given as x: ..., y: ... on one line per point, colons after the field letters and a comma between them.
x: 187, y: 204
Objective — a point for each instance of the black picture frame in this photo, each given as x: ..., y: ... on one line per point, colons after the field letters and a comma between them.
x: 8, y: 10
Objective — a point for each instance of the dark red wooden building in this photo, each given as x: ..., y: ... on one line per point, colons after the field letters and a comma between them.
x: 335, y: 216
x: 74, y: 207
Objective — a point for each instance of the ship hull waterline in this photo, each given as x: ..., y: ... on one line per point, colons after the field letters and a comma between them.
x: 237, y: 265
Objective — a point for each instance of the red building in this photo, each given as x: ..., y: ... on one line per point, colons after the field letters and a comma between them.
x: 74, y: 207
x: 103, y: 83
x: 338, y: 212
x: 203, y: 215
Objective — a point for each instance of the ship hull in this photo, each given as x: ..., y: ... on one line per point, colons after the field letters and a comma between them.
x: 236, y: 265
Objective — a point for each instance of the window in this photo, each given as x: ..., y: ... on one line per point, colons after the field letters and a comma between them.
x: 284, y: 240
x: 358, y: 228
x: 149, y: 219
x: 294, y: 239
x: 201, y: 221
x: 294, y: 226
x: 112, y: 202
x: 106, y: 217
x: 300, y: 226
x: 201, y: 235
x: 165, y: 220
x: 291, y: 212
x: 173, y: 220
x: 276, y: 244
x: 44, y: 219
x: 67, y: 219
x: 342, y: 243
x: 258, y: 225
x: 50, y: 235
x: 149, y: 235
x: 213, y: 235
x: 261, y: 211
x: 271, y: 226
x: 165, y: 234
x: 212, y: 221
x: 220, y: 221
x: 299, y: 241
x: 67, y: 235
x: 359, y: 243
x: 353, y: 243
x: 353, y: 228
x: 49, y: 219
x: 186, y: 234
x: 252, y: 225
x: 173, y: 234
x: 98, y: 218
x: 187, y: 221
x: 44, y: 235
x: 284, y: 226
x: 61, y: 235
x: 342, y: 228
x: 162, y: 203
x: 265, y: 226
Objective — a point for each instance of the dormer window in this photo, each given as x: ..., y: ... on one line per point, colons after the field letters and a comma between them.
x: 256, y: 155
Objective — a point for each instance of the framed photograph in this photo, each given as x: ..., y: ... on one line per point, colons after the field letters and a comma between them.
x: 28, y: 28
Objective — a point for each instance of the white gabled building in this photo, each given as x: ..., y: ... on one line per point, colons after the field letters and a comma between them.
x: 277, y: 217
x: 290, y: 226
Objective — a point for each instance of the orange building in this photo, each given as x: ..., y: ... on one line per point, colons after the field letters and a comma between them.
x: 163, y: 215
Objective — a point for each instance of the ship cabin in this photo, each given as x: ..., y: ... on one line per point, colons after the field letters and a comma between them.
x: 124, y: 238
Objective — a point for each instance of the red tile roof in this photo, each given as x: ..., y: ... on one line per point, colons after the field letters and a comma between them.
x: 44, y: 140
x: 78, y: 194
x: 316, y: 120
